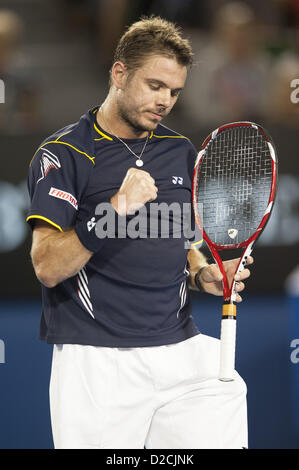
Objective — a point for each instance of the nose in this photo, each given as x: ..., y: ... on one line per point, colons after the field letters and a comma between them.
x: 164, y: 98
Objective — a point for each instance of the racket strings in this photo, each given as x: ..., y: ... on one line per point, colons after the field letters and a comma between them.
x: 234, y: 184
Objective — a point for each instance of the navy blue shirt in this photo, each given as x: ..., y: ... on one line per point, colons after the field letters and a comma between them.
x: 133, y: 292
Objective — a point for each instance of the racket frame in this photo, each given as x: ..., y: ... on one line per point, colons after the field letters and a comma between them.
x: 228, y: 322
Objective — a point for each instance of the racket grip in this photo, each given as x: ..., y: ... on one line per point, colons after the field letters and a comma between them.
x: 227, y: 343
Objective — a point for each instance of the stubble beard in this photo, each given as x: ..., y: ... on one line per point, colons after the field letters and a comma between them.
x: 132, y: 121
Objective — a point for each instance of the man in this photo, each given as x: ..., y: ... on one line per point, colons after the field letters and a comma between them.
x: 130, y: 368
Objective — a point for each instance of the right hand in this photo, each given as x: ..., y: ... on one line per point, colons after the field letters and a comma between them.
x: 137, y: 188
x: 211, y: 277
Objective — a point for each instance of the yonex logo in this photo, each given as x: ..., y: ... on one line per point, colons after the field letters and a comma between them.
x: 177, y: 180
x: 91, y: 224
x: 232, y: 232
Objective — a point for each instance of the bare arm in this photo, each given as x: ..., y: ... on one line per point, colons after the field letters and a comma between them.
x: 55, y: 255
x: 197, y: 260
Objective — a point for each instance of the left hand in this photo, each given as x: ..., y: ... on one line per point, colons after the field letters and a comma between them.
x: 211, y: 277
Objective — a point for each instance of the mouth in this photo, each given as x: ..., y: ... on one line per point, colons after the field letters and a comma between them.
x: 156, y: 116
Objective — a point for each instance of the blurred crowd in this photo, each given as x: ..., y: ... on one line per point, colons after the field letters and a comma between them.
x: 246, y: 57
x: 19, y: 112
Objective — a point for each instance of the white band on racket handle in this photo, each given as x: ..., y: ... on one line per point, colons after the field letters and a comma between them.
x: 228, y: 343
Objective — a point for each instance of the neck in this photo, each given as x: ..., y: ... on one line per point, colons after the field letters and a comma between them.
x: 109, y: 119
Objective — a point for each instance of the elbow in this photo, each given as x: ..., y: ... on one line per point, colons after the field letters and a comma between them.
x: 43, y: 264
x: 48, y: 282
x: 45, y: 277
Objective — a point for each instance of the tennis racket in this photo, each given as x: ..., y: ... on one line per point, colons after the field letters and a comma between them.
x: 233, y: 193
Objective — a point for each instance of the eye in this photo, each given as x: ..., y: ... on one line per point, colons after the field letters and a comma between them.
x: 154, y: 87
x: 175, y: 93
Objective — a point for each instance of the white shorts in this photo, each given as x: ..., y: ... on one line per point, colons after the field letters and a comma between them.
x: 165, y: 397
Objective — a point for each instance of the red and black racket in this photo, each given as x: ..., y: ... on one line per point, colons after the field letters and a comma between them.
x: 234, y: 185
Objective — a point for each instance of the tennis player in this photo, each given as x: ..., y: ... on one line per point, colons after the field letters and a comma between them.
x: 130, y: 368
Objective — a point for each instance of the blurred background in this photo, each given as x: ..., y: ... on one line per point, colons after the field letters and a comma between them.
x: 54, y: 61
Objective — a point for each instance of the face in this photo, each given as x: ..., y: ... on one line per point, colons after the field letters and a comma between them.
x: 150, y: 92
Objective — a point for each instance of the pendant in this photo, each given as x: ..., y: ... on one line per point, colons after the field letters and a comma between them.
x: 139, y: 162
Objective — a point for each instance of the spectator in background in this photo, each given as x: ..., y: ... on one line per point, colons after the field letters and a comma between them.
x: 102, y: 20
x: 111, y: 20
x: 19, y: 113
x: 232, y: 74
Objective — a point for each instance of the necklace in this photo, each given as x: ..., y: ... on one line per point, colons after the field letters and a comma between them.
x: 139, y: 161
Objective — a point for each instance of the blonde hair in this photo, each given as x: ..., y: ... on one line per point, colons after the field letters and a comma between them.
x: 152, y: 36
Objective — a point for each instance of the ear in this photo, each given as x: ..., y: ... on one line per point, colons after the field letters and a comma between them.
x: 119, y: 73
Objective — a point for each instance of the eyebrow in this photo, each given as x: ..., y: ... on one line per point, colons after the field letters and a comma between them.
x: 159, y: 82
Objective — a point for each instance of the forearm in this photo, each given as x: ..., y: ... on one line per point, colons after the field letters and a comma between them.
x: 58, y: 256
x: 197, y: 260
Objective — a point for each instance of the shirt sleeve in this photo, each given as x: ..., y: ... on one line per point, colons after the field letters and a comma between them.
x: 57, y: 178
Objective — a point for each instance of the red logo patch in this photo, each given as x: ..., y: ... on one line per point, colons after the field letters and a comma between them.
x: 64, y: 196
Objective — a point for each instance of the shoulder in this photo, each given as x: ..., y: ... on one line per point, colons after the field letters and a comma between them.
x: 70, y: 143
x: 164, y: 132
x: 175, y: 140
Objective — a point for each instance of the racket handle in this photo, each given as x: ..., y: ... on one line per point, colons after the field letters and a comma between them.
x: 227, y: 343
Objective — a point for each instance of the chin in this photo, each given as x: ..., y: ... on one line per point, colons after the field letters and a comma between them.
x: 151, y: 125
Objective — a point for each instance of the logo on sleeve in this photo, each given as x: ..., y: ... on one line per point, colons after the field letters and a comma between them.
x: 64, y: 196
x: 47, y: 162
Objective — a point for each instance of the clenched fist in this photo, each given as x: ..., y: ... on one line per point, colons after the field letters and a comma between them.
x: 137, y: 188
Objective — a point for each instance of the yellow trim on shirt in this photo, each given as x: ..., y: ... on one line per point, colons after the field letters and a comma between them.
x: 64, y: 133
x: 105, y: 136
x: 169, y: 136
x: 64, y: 143
x: 45, y: 219
x: 80, y: 151
x: 102, y: 133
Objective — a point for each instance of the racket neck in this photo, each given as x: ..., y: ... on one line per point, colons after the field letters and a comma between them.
x: 226, y: 287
